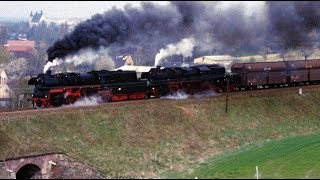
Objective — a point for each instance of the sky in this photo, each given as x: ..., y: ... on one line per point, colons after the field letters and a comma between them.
x: 60, y: 9
x: 72, y: 9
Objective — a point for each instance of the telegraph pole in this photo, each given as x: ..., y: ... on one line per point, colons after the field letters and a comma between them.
x: 227, y: 98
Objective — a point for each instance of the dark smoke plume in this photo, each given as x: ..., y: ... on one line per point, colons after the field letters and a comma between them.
x: 291, y: 22
x: 151, y: 27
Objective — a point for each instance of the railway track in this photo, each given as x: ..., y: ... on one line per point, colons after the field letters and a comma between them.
x: 256, y: 92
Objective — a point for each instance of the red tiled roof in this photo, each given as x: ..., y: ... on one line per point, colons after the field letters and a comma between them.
x: 22, y: 43
x: 20, y: 49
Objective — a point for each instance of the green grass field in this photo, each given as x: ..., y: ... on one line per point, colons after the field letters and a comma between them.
x: 143, y: 139
x: 295, y: 157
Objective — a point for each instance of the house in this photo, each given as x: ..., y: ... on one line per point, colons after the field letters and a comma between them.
x: 123, y: 60
x: 3, y: 77
x: 21, y: 49
x: 36, y: 19
x: 5, y: 91
x: 128, y: 60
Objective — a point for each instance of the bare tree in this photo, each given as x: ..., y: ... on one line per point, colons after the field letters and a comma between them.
x: 282, y: 53
x: 306, y: 52
x: 63, y: 30
x: 4, y: 56
x: 105, y: 63
x: 252, y: 60
x: 38, y: 59
x: 17, y: 68
x: 3, y: 35
x: 264, y: 52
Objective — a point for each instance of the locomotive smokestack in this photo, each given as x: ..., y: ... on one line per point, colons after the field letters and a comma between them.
x: 48, y: 72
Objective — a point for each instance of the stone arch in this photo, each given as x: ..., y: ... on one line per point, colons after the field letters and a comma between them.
x: 29, y: 171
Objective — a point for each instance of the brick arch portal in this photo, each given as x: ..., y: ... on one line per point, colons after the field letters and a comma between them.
x: 29, y: 171
x: 46, y: 166
x: 34, y: 166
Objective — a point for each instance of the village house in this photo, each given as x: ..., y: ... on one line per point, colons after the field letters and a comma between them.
x: 5, y: 91
x: 21, y: 49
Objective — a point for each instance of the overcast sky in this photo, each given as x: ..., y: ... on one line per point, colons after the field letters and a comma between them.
x: 75, y: 9
x: 60, y: 9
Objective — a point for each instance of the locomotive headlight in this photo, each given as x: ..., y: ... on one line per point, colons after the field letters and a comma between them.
x: 119, y: 89
x: 153, y: 88
x: 45, y: 96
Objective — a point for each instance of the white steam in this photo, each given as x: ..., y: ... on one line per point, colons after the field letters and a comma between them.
x: 176, y: 95
x: 87, y: 56
x: 183, y: 47
x: 204, y: 94
x: 182, y: 95
x: 87, y: 101
x: 49, y: 64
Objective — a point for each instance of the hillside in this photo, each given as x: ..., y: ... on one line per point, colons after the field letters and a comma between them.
x: 293, y: 157
x: 142, y: 139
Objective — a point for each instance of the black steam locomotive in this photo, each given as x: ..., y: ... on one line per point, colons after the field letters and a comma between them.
x: 65, y: 88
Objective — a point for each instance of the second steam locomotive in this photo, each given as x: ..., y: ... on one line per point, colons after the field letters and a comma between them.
x: 66, y: 88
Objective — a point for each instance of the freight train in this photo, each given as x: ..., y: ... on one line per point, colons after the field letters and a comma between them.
x: 66, y: 88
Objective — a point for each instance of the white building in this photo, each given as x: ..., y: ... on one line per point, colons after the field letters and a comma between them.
x: 5, y: 91
x: 36, y: 19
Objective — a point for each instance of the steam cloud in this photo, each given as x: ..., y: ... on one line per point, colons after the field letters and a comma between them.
x: 182, y: 95
x: 87, y: 56
x: 176, y: 95
x: 216, y: 29
x: 184, y: 47
x: 87, y: 101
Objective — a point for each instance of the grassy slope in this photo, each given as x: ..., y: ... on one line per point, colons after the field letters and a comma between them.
x: 293, y: 157
x: 145, y: 138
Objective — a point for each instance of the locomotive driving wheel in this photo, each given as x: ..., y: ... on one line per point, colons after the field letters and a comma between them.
x: 38, y: 104
x: 173, y: 89
x: 205, y: 86
x: 57, y: 100
x: 105, y: 99
x: 70, y: 100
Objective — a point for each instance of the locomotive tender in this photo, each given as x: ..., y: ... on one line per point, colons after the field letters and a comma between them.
x: 66, y: 88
